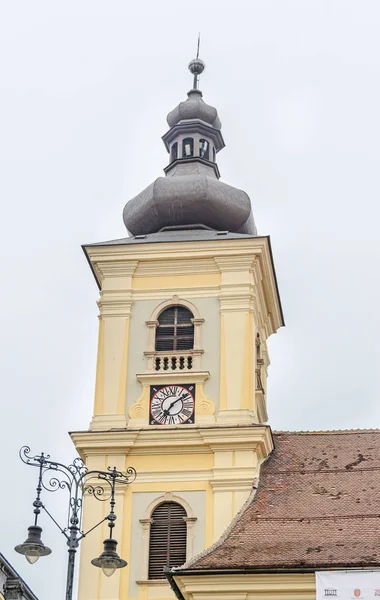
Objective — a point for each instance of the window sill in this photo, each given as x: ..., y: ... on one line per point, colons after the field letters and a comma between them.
x: 152, y: 582
x: 172, y: 377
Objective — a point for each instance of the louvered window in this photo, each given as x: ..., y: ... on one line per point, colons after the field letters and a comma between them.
x: 175, y: 331
x: 167, y: 546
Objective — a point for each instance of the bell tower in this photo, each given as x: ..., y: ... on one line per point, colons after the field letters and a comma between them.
x: 186, y: 305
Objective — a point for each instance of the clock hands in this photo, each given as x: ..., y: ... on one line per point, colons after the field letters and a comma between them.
x: 167, y: 410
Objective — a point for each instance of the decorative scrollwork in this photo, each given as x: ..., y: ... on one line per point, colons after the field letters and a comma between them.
x: 95, y: 489
x: 127, y: 477
x: 24, y: 454
x: 77, y: 467
x: 130, y: 475
x: 78, y: 481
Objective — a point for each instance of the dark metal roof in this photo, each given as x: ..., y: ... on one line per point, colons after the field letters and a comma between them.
x: 6, y: 566
x: 176, y: 235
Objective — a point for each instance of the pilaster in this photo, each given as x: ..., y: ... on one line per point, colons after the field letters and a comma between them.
x: 238, y: 323
x: 115, y: 305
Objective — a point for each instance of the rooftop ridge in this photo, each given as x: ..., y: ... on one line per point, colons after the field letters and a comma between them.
x: 324, y: 431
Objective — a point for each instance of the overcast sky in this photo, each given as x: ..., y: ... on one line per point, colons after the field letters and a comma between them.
x: 85, y: 86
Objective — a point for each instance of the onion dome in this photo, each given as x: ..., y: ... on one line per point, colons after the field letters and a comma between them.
x: 192, y: 200
x: 190, y: 195
x: 194, y: 107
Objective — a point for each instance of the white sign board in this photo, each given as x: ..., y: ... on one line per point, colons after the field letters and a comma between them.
x: 348, y: 585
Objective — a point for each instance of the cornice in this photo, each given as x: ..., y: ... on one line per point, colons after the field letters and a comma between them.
x: 211, y: 165
x: 186, y: 439
x: 235, y: 481
x: 185, y: 249
x: 259, y: 438
x: 235, y: 262
x: 115, y: 303
x: 239, y: 586
x: 111, y: 266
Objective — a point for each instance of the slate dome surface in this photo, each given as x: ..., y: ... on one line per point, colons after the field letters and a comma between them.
x: 194, y: 108
x: 187, y: 200
x: 190, y: 195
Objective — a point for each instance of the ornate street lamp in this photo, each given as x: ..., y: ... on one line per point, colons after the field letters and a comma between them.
x: 77, y: 480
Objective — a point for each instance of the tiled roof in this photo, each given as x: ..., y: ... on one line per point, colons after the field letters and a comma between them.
x: 317, y: 505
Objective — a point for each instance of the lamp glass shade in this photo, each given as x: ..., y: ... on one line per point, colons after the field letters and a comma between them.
x: 32, y: 555
x: 109, y: 560
x: 109, y: 567
x: 33, y: 547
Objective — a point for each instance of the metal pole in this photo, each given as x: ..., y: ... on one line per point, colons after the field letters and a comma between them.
x: 73, y: 543
x: 70, y: 573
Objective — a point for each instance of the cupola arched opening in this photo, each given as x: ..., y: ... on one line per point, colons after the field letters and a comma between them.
x: 187, y: 148
x: 175, y: 329
x: 168, y: 538
x: 204, y: 149
x: 174, y: 151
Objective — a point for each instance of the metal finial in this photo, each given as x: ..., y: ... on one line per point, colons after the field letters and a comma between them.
x: 196, y: 66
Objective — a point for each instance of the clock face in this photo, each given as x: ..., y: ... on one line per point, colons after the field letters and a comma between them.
x: 172, y: 404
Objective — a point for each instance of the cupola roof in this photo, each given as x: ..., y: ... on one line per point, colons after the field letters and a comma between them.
x: 191, y: 193
x: 194, y: 107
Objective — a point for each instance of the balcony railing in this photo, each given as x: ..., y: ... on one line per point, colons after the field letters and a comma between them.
x: 173, y: 362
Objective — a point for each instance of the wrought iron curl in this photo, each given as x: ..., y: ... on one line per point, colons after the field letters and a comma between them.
x: 35, y: 460
x: 131, y: 474
x: 55, y: 482
x: 97, y: 489
x: 78, y: 468
x: 127, y: 476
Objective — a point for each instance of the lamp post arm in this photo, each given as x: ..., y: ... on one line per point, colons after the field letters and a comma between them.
x: 83, y: 534
x: 54, y: 521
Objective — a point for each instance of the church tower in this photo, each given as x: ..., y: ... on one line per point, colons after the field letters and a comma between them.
x: 186, y: 305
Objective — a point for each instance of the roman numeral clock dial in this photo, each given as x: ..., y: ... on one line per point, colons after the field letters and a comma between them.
x: 172, y: 404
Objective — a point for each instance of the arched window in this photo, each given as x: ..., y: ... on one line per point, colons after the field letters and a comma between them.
x: 174, y: 151
x: 213, y: 154
x: 175, y: 330
x: 167, y: 544
x: 204, y: 151
x: 187, y: 148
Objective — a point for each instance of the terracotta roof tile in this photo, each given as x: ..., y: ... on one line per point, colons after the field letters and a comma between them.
x: 317, y: 505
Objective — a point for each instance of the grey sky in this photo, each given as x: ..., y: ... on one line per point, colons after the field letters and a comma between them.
x: 84, y: 91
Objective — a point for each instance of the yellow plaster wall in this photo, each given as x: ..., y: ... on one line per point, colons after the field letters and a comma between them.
x: 215, y: 474
x: 173, y: 282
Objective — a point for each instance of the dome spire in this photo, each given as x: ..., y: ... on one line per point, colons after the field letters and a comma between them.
x: 191, y: 195
x: 197, y: 66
